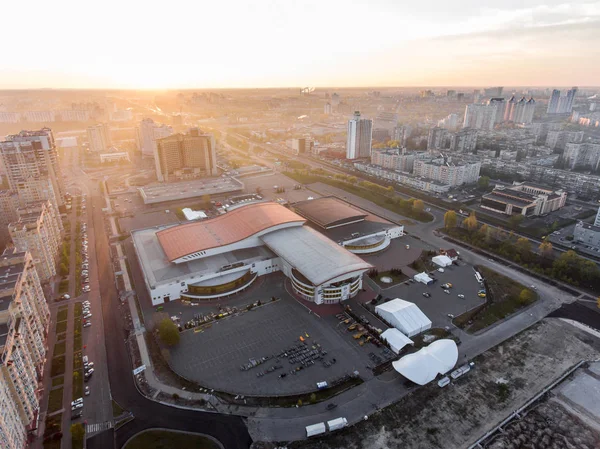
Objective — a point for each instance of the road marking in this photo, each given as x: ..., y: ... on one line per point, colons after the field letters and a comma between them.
x: 98, y: 427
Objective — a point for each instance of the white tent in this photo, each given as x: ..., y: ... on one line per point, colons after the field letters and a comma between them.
x: 193, y: 214
x: 442, y: 261
x: 423, y: 278
x: 396, y: 339
x: 423, y: 366
x: 404, y: 316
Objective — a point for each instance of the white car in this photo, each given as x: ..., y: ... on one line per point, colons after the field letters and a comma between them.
x: 87, y: 315
x: 76, y: 401
x: 87, y: 324
x: 447, y: 292
x: 86, y: 289
x: 461, y: 296
x: 87, y: 391
x: 85, y: 359
x: 89, y: 372
x: 77, y: 406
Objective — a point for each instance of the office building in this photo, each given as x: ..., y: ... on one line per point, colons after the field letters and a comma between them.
x: 524, y: 199
x: 582, y: 155
x: 464, y: 141
x: 360, y: 135
x: 38, y: 231
x: 445, y: 171
x: 185, y: 156
x: 32, y: 167
x: 302, y: 146
x: 393, y: 159
x: 436, y: 139
x: 147, y: 133
x: 99, y: 138
x: 480, y: 116
x: 24, y: 319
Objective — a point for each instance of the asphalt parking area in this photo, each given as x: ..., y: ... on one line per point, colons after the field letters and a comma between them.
x: 213, y: 357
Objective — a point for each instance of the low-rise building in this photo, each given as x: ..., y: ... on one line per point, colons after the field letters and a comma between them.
x: 588, y: 234
x: 524, y: 199
x: 415, y: 182
x: 448, y: 172
x: 115, y: 156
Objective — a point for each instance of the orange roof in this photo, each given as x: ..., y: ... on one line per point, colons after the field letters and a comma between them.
x: 234, y: 226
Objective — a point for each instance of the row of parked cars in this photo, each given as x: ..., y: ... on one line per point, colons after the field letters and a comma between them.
x: 87, y: 314
x: 85, y: 274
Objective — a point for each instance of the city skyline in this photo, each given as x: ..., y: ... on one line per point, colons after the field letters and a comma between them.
x: 516, y: 43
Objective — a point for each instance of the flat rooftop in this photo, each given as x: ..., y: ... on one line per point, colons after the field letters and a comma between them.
x: 329, y: 212
x: 509, y: 199
x: 159, y: 270
x: 159, y: 193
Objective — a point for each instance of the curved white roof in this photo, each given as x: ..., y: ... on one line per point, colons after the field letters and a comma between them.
x: 396, y: 339
x: 404, y: 316
x: 423, y: 366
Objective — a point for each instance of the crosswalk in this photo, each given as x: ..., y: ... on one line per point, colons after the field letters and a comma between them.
x: 98, y: 427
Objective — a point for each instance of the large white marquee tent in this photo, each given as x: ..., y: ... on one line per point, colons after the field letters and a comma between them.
x: 404, y: 316
x: 423, y: 366
x: 396, y: 339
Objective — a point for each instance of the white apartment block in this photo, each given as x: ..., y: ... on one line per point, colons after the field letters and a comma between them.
x: 98, y: 138
x: 446, y: 172
x: 393, y: 159
x: 359, y: 138
x: 480, y: 116
x: 415, y: 182
x: 13, y: 431
x: 38, y: 231
x: 464, y: 141
x: 147, y: 133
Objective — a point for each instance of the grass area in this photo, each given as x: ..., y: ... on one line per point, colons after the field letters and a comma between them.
x: 62, y: 315
x: 61, y: 337
x: 63, y: 287
x: 117, y: 409
x: 162, y: 439
x: 423, y: 262
x: 61, y: 327
x: 78, y: 309
x: 58, y: 366
x: 52, y: 444
x: 55, y: 400
x: 504, y: 297
x: 77, y: 384
x: 77, y: 343
x: 59, y: 348
x: 53, y: 425
x: 58, y: 381
x: 390, y: 201
x: 77, y: 360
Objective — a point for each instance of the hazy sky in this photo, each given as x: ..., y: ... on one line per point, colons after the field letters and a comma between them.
x: 234, y: 43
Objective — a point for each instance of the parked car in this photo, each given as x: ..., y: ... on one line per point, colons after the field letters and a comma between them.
x: 88, y: 324
x: 427, y: 295
x: 86, y: 391
x: 447, y: 292
x: 461, y: 296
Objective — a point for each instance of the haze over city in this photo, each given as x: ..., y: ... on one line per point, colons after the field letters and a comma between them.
x: 137, y: 44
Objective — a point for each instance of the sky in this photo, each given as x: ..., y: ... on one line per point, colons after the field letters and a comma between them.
x: 286, y: 43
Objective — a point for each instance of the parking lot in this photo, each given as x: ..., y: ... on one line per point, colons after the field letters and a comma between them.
x: 267, y: 183
x: 215, y: 356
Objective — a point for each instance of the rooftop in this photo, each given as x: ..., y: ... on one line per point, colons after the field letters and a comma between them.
x: 159, y: 193
x: 3, y: 333
x: 318, y: 258
x: 328, y: 212
x: 181, y: 240
x: 509, y: 198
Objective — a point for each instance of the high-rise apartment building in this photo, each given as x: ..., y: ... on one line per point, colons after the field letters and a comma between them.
x: 520, y: 111
x: 464, y: 141
x: 185, y: 156
x: 436, y: 139
x: 147, y: 133
x: 360, y: 136
x: 302, y: 145
x: 597, y: 220
x: 582, y: 155
x: 561, y: 104
x: 38, y: 231
x: 449, y: 122
x: 32, y: 166
x: 480, y: 116
x: 24, y: 319
x: 559, y: 139
x: 99, y: 138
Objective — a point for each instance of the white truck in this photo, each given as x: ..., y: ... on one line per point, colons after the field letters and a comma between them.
x: 337, y: 423
x: 315, y: 429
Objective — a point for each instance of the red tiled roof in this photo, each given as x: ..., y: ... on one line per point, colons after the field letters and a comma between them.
x: 234, y: 226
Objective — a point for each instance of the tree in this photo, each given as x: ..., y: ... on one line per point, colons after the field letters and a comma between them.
x: 258, y: 190
x: 515, y: 220
x: 206, y: 200
x: 523, y: 246
x: 168, y: 332
x: 77, y: 433
x: 471, y: 222
x: 598, y: 302
x: 526, y: 296
x: 483, y: 182
x: 393, y: 143
x: 545, y: 249
x: 484, y: 232
x: 352, y: 179
x: 418, y: 206
x: 450, y: 219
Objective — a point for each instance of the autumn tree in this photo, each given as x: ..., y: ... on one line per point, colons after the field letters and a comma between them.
x: 470, y: 222
x: 523, y: 246
x: 526, y: 296
x: 450, y: 219
x: 545, y: 249
x: 168, y: 332
x: 418, y: 206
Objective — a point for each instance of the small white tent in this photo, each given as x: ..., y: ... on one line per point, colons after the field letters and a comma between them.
x: 404, y: 316
x: 442, y: 261
x: 396, y: 339
x: 423, y: 278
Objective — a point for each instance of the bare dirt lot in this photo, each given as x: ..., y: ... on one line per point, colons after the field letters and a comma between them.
x: 504, y: 379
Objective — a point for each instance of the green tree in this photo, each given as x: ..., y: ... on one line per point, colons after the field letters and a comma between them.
x: 168, y: 332
x: 483, y: 182
x: 526, y: 296
x: 418, y: 206
x: 515, y: 220
x: 450, y: 219
x: 470, y: 222
x: 77, y: 434
x: 352, y: 179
